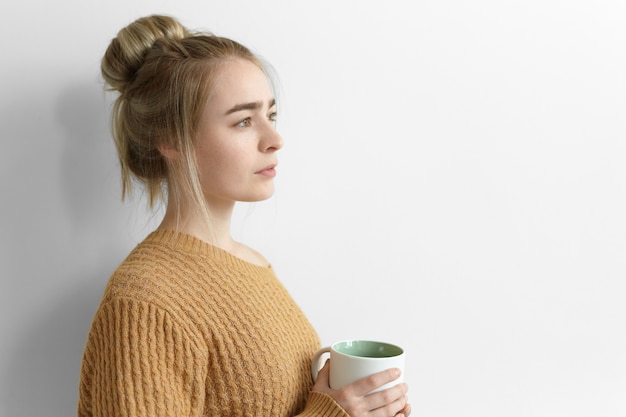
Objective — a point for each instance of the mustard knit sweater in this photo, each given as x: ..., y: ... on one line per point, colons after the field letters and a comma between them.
x: 187, y: 329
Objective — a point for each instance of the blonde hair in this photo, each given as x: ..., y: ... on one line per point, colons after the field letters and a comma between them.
x: 164, y: 75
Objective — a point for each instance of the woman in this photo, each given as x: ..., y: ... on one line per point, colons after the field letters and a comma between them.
x: 193, y: 323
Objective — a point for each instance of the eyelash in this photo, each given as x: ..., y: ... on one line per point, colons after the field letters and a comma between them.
x: 246, y: 122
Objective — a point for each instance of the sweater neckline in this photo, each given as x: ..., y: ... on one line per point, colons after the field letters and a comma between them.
x: 191, y: 244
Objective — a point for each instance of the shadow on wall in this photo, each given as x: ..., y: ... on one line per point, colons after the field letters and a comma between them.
x: 89, y: 169
x: 41, y: 378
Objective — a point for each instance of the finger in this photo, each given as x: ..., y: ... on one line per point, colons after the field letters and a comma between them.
x: 406, y: 412
x: 368, y: 384
x: 393, y: 398
x: 395, y: 407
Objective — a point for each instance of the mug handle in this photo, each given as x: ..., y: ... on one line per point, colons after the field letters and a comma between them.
x: 315, y: 363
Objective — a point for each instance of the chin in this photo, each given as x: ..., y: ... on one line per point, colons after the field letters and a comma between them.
x: 258, y: 197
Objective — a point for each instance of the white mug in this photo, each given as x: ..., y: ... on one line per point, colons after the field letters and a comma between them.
x: 351, y: 360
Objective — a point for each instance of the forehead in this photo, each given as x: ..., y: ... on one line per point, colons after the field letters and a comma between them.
x: 239, y: 81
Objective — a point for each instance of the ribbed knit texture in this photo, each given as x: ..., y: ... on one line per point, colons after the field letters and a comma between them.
x: 187, y: 329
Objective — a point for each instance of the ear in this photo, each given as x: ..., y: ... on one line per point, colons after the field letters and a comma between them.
x: 168, y: 151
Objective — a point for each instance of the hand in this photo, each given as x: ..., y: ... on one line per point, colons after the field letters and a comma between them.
x: 357, y: 401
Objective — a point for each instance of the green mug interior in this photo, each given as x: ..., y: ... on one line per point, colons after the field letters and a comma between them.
x: 367, y: 349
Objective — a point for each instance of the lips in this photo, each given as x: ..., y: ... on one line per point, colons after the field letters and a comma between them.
x: 269, y: 171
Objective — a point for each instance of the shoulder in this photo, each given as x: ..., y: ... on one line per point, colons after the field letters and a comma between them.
x: 249, y: 255
x: 156, y: 274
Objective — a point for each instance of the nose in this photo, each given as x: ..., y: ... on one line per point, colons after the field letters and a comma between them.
x: 271, y: 140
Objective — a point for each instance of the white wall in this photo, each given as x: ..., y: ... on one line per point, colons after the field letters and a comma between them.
x: 453, y: 181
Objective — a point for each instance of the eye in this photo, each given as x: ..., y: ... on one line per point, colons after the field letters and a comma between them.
x: 245, y: 122
x: 272, y: 117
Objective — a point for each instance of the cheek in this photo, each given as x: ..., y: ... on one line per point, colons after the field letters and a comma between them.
x: 220, y: 163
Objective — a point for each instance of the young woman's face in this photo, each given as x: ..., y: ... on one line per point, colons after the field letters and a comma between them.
x: 237, y: 140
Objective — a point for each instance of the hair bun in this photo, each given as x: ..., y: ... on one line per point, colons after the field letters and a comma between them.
x: 126, y: 53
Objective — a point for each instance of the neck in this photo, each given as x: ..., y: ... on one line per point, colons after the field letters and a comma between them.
x: 212, y: 227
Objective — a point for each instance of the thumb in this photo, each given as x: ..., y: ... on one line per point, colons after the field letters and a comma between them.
x: 323, y: 376
x: 326, y: 367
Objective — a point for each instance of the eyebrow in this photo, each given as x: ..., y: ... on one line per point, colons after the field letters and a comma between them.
x: 249, y: 106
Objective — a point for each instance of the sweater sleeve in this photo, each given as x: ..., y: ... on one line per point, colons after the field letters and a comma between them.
x: 322, y: 405
x: 138, y: 362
